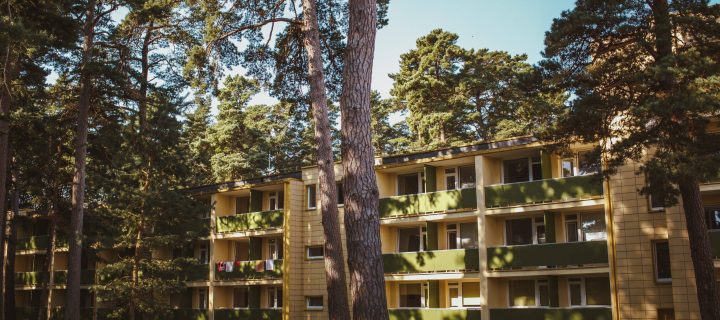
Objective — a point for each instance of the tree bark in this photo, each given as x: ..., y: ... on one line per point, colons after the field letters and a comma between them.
x: 708, y: 297
x: 72, y: 308
x: 45, y: 309
x: 338, y: 306
x: 362, y: 220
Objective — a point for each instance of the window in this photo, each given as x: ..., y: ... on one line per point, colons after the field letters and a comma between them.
x: 202, y: 295
x: 471, y: 294
x: 413, y: 295
x: 666, y: 314
x: 452, y: 236
x: 311, y: 196
x: 454, y: 296
x: 589, y: 291
x: 242, y: 205
x: 240, y: 297
x: 275, y: 297
x: 529, y: 293
x: 275, y: 248
x: 522, y: 170
x: 467, y: 177
x: 525, y: 231
x: 410, y: 184
x: 468, y: 235
x: 276, y: 200
x: 662, y: 261
x: 203, y: 255
x: 656, y: 199
x: 712, y: 215
x: 411, y: 239
x: 567, y: 166
x: 543, y: 292
x: 242, y: 251
x: 450, y: 179
x: 591, y: 227
x: 314, y: 302
x: 315, y: 252
x: 340, y: 194
x: 578, y: 165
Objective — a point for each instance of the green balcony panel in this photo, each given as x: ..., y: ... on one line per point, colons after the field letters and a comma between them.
x: 430, y: 202
x: 57, y: 313
x: 248, y: 270
x: 250, y: 221
x: 189, y: 314
x: 35, y: 278
x: 575, y: 313
x: 432, y: 261
x: 548, y: 254
x: 434, y: 314
x: 198, y: 272
x: 248, y: 314
x: 715, y: 243
x: 38, y: 243
x: 549, y: 190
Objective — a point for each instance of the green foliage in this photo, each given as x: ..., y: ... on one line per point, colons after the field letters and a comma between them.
x: 387, y: 138
x: 643, y: 75
x: 455, y: 95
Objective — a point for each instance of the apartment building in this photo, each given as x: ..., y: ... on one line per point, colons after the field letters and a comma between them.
x: 501, y: 230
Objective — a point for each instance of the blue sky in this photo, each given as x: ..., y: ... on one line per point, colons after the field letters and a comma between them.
x: 516, y: 26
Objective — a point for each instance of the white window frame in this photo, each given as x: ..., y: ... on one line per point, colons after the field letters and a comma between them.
x: 421, y: 185
x: 309, y: 257
x: 202, y: 295
x: 583, y: 298
x: 578, y: 225
x: 530, y: 169
x: 311, y: 204
x: 536, y: 285
x: 424, y: 292
x: 314, y: 308
x: 457, y: 235
x: 273, y: 196
x: 574, y: 170
x: 458, y: 286
x: 273, y: 248
x: 273, y: 297
x: 454, y: 174
x: 423, y: 239
x: 655, y: 262
x: 534, y: 229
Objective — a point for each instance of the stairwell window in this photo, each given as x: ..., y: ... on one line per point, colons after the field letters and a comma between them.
x: 315, y: 252
x: 314, y: 302
x: 311, y: 193
x: 661, y: 254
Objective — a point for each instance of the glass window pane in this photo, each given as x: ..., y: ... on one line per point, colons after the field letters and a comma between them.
x: 544, y: 293
x: 597, y: 291
x: 410, y: 295
x: 452, y: 240
x: 340, y: 194
x: 540, y: 233
x: 519, y: 231
x: 408, y: 239
x: 242, y: 205
x: 454, y: 295
x: 516, y: 170
x: 713, y: 218
x: 522, y: 293
x: 471, y: 294
x: 662, y: 261
x: 450, y: 182
x: 467, y: 177
x: 587, y: 165
x: 468, y: 235
x: 575, y: 294
x: 567, y: 167
x: 571, y: 231
x: 281, y: 200
x: 315, y: 252
x: 408, y: 184
x: 593, y: 226
x: 536, y: 170
x: 311, y: 196
x: 240, y: 297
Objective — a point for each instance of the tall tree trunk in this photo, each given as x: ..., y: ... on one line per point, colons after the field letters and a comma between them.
x: 707, y: 291
x: 72, y: 308
x: 708, y: 297
x: 45, y: 308
x: 11, y: 248
x: 362, y: 220
x: 338, y: 306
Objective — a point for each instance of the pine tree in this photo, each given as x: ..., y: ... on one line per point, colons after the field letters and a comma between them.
x: 387, y: 138
x: 647, y: 72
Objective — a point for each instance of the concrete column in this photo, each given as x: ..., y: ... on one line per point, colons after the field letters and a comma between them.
x: 482, y: 246
x: 211, y: 258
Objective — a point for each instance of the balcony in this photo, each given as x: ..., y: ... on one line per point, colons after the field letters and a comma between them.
x: 548, y: 254
x: 715, y: 243
x: 432, y: 261
x: 38, y: 243
x: 434, y: 314
x: 198, y: 272
x: 57, y: 313
x: 247, y: 270
x: 431, y: 202
x: 35, y: 278
x: 190, y: 314
x: 577, y: 313
x: 542, y: 191
x: 250, y: 221
x: 248, y: 314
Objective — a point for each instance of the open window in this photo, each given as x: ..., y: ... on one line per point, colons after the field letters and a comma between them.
x: 462, y: 235
x: 275, y: 248
x: 411, y: 183
x: 525, y: 231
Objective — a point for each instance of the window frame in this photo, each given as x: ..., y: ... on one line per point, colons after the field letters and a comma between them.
x: 314, y: 308
x: 203, y: 303
x: 423, y: 238
x: 530, y: 164
x: 309, y: 257
x: 274, y: 296
x: 583, y: 291
x: 534, y: 231
x: 578, y: 226
x: 311, y: 204
x: 424, y: 292
x: 659, y: 280
x: 204, y: 247
x: 536, y: 286
x: 420, y: 178
x: 275, y: 195
x: 247, y: 297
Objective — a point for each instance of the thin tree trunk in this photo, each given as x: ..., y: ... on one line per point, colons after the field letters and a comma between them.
x: 708, y: 297
x: 11, y: 243
x: 338, y: 306
x: 72, y: 308
x: 49, y: 278
x: 362, y: 220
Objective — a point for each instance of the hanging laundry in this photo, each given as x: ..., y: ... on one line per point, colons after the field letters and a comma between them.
x: 228, y: 266
x: 269, y: 265
x: 220, y: 266
x: 259, y: 266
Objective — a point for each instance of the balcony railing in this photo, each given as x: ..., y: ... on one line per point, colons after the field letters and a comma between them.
x: 34, y: 278
x: 248, y: 314
x: 431, y: 202
x: 190, y: 314
x: 198, y: 272
x: 432, y: 261
x: 541, y: 191
x: 548, y: 254
x: 250, y: 221
x: 434, y: 314
x: 580, y: 313
x: 38, y: 243
x: 256, y: 269
x: 715, y: 243
x: 57, y: 313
